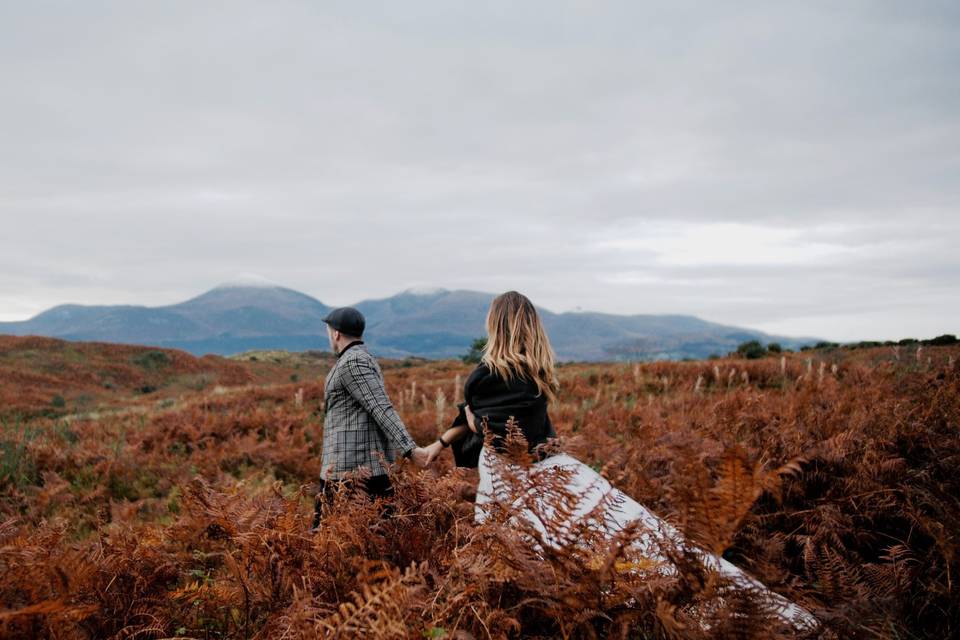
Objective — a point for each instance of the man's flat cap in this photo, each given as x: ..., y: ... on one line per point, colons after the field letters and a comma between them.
x: 347, y: 320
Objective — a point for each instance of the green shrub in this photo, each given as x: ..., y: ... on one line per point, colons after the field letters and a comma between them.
x: 475, y: 354
x: 152, y: 360
x: 751, y: 349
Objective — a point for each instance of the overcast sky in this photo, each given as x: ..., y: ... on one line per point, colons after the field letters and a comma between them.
x: 787, y: 166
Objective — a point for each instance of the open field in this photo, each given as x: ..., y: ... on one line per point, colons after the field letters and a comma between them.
x: 147, y: 493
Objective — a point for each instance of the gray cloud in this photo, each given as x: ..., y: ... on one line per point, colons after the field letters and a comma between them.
x: 150, y: 151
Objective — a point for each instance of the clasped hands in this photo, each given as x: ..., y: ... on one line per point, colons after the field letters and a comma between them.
x: 423, y: 457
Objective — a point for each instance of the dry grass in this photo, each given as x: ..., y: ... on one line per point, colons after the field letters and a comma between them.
x: 835, y: 485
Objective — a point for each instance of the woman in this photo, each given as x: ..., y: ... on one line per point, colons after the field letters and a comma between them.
x: 515, y: 382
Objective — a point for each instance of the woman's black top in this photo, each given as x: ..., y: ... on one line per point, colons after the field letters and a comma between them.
x: 490, y: 396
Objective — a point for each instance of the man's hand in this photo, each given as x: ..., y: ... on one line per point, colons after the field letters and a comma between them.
x: 420, y: 457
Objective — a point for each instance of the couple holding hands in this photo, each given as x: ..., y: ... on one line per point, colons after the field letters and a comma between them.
x: 362, y: 430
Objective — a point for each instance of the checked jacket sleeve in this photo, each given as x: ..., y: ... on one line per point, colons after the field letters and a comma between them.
x: 364, y: 382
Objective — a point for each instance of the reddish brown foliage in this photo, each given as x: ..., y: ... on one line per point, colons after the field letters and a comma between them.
x: 836, y: 488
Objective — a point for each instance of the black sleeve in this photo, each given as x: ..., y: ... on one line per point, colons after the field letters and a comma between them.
x: 461, y: 419
x: 550, y: 432
x: 478, y: 374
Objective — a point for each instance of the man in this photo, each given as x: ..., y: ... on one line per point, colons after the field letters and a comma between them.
x: 361, y: 428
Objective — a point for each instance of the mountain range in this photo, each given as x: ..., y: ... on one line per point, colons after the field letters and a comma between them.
x: 435, y: 323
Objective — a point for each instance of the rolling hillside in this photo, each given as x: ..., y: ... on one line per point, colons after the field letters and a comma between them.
x: 433, y: 324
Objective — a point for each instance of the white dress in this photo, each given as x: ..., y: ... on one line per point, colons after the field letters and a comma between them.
x: 619, y: 509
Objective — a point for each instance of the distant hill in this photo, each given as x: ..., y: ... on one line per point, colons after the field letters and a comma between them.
x: 428, y: 323
x: 49, y: 377
x: 225, y: 320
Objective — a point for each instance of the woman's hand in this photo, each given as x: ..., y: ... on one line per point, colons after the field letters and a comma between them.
x: 433, y: 450
x: 471, y: 420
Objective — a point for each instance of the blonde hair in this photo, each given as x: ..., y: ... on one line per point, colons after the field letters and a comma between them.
x: 517, y: 345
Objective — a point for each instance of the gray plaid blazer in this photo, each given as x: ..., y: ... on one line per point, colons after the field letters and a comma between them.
x: 360, y: 423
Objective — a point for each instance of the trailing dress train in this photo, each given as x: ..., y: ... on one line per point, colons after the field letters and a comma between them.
x: 616, y: 512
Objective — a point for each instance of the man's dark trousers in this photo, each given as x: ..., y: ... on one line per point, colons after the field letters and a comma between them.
x: 374, y: 486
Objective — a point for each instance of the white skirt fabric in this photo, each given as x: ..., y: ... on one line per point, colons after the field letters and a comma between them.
x: 619, y: 511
